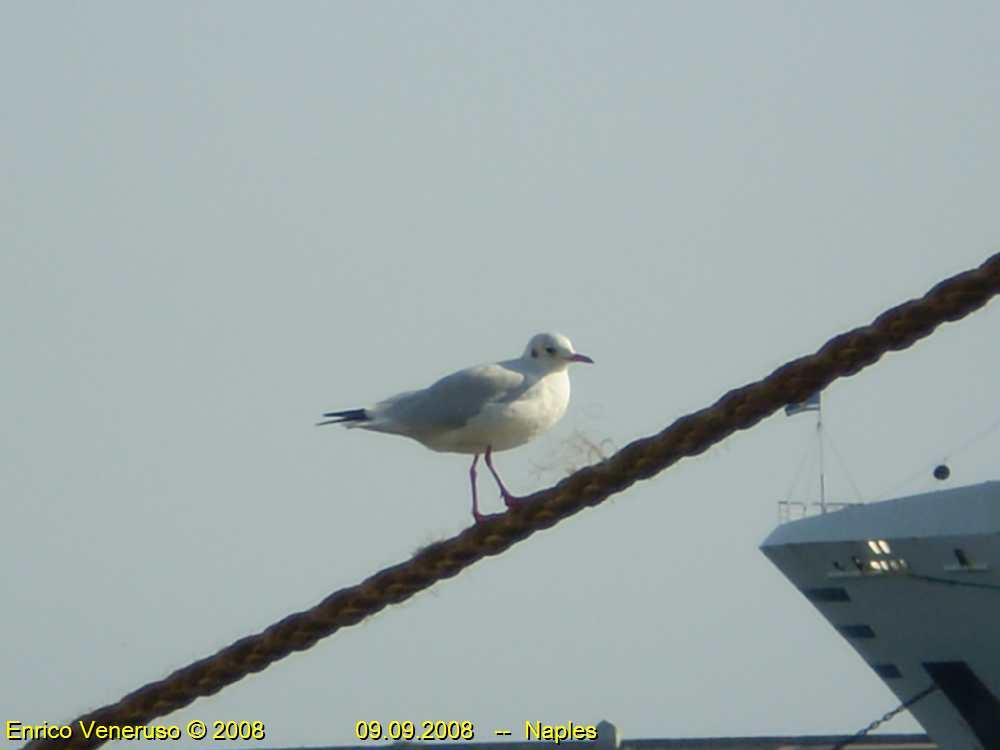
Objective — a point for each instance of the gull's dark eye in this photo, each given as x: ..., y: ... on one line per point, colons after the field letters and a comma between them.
x: 550, y: 349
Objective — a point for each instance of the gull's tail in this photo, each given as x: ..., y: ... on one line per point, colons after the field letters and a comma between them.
x: 350, y: 415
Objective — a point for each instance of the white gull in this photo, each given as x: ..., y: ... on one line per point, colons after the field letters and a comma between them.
x: 480, y: 409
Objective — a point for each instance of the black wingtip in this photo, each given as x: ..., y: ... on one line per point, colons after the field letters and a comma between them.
x: 350, y: 415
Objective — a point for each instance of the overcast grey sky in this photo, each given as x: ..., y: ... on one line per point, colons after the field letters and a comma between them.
x: 220, y: 219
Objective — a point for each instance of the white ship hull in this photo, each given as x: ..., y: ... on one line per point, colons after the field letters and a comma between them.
x: 913, y: 584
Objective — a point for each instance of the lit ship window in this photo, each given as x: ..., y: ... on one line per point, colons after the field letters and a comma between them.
x: 879, y: 546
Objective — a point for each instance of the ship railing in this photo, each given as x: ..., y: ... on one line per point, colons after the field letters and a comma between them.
x: 792, y: 510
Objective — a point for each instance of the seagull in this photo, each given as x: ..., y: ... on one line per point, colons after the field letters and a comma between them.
x: 480, y: 409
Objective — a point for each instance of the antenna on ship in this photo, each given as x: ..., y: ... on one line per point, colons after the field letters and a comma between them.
x: 813, y: 404
x: 822, y: 472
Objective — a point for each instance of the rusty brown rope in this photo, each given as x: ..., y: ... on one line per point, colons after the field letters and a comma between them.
x: 690, y: 435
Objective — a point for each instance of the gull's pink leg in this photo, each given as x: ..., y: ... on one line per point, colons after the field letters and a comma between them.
x: 475, y: 500
x: 508, y: 498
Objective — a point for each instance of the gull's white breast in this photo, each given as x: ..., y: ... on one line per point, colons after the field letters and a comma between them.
x: 505, y: 425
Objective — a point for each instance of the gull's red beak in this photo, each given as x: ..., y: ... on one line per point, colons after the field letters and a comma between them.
x: 581, y: 358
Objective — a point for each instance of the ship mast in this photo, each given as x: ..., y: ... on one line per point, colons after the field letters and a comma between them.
x: 822, y: 475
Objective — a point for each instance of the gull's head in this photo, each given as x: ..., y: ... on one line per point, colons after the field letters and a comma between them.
x: 553, y: 351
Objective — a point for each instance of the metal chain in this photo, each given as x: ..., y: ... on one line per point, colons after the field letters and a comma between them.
x: 886, y: 717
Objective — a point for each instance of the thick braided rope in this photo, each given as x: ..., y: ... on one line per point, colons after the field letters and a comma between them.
x: 690, y: 435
